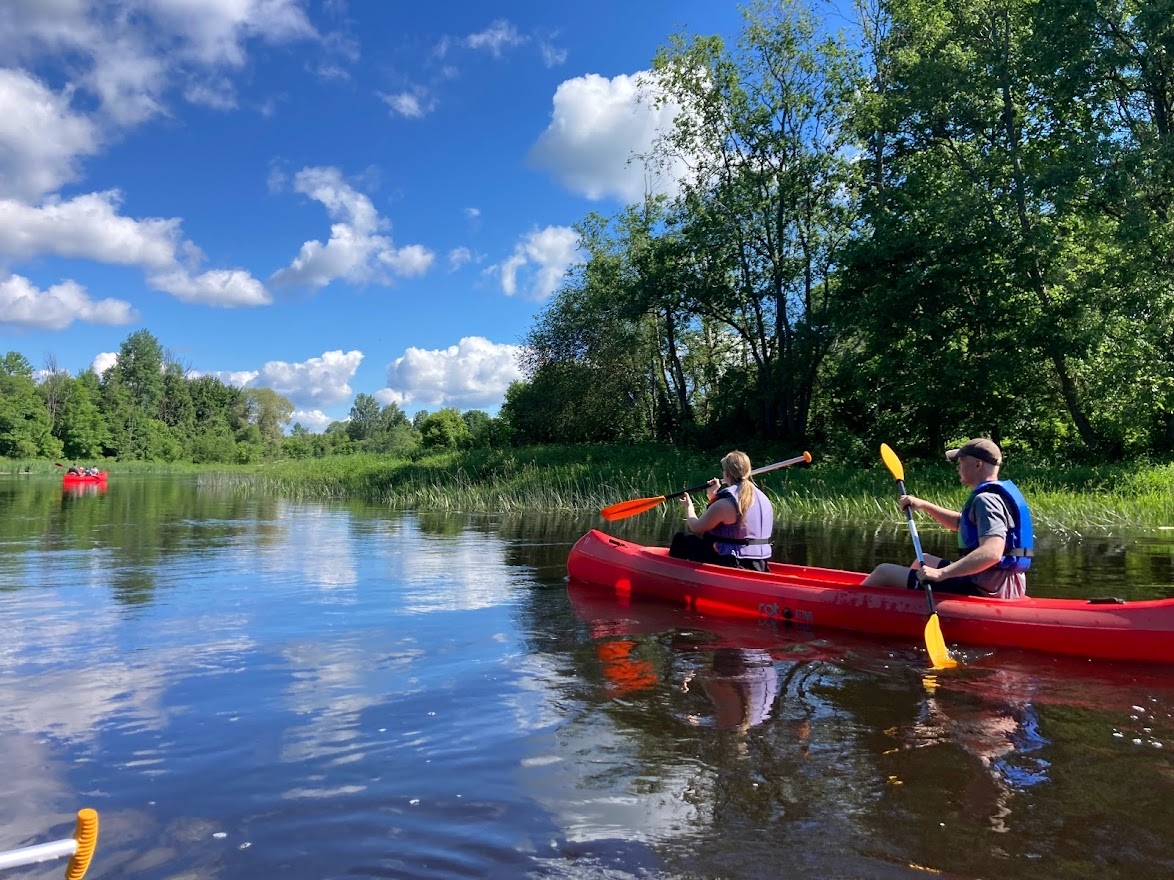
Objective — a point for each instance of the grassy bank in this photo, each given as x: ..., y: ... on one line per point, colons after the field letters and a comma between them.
x: 1064, y: 499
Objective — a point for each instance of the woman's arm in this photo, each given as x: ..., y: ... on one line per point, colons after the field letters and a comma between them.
x: 723, y: 511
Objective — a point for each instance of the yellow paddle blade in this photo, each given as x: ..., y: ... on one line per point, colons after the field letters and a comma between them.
x: 939, y: 655
x: 892, y: 462
x: 630, y: 508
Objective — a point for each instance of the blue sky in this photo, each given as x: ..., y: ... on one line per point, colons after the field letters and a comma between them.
x: 324, y: 197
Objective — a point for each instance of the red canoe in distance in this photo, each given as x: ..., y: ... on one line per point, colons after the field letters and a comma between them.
x: 83, y: 479
x: 819, y: 598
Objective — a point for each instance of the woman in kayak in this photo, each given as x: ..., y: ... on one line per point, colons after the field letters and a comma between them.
x: 735, y: 528
x: 994, y: 533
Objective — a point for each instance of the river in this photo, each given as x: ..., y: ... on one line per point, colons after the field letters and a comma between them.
x: 251, y: 687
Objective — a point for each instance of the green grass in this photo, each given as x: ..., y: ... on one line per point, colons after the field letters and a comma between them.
x: 1067, y: 500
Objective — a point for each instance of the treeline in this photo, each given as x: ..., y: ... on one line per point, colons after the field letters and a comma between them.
x: 956, y: 223
x: 149, y: 407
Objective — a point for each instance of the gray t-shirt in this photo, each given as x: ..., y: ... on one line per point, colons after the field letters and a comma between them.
x: 992, y: 516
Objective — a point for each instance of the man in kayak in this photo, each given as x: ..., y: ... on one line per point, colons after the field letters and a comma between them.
x: 735, y: 528
x: 994, y: 533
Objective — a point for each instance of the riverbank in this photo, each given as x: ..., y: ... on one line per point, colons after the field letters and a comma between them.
x: 1069, y: 499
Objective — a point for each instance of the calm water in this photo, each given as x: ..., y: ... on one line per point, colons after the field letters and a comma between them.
x: 254, y: 688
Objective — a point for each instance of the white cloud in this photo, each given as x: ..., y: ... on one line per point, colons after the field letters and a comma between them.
x: 474, y: 374
x: 597, y: 129
x: 473, y: 213
x: 496, y: 38
x: 90, y: 227
x: 41, y: 139
x: 552, y: 56
x: 216, y: 287
x: 356, y: 251
x: 542, y: 258
x: 23, y: 305
x: 410, y: 261
x: 319, y: 381
x: 103, y: 361
x: 87, y: 227
x: 216, y: 94
x: 414, y: 104
x: 313, y: 420
x: 458, y: 257
x: 129, y: 57
x: 238, y: 378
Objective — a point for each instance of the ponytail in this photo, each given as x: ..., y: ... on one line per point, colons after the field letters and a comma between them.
x: 736, y: 468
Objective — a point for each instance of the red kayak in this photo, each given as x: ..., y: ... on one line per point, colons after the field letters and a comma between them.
x: 809, y: 597
x: 82, y: 479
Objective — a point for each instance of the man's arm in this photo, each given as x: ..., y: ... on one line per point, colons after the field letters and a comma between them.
x: 947, y: 518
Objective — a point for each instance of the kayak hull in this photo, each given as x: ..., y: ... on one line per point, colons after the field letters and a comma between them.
x: 83, y: 479
x: 809, y: 597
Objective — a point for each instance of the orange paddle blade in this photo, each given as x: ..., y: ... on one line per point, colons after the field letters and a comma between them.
x: 630, y: 508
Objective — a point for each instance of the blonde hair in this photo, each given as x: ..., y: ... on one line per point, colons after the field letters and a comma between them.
x: 736, y: 469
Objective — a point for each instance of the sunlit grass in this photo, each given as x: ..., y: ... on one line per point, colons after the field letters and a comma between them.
x: 1066, y: 500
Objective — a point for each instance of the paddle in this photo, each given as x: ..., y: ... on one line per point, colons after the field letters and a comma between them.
x: 630, y: 508
x: 935, y: 644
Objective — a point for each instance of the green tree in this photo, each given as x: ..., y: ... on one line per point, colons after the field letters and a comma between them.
x: 445, y: 429
x: 269, y: 412
x: 81, y: 427
x: 25, y: 427
x: 365, y: 418
x: 139, y: 370
x: 764, y: 210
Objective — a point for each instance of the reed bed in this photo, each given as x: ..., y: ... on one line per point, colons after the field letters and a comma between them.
x: 1066, y: 500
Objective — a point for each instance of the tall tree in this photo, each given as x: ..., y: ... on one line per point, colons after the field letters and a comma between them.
x: 364, y: 421
x: 760, y: 127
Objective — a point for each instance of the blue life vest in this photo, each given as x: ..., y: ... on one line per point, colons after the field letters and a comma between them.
x: 749, y: 537
x: 1020, y: 539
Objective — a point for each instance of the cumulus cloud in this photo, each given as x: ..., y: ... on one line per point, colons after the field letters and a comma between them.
x: 41, y: 138
x: 216, y: 287
x: 319, y: 381
x: 313, y: 420
x: 23, y: 305
x: 473, y: 374
x: 90, y: 227
x: 541, y: 259
x: 357, y: 250
x: 597, y: 130
x: 103, y: 361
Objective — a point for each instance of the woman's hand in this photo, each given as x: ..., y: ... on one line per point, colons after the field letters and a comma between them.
x: 712, y: 488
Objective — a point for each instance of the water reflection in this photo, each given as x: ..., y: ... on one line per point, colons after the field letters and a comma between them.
x: 339, y: 690
x: 993, y: 720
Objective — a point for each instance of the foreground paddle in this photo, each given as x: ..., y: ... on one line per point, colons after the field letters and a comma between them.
x: 935, y: 644
x: 630, y: 508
